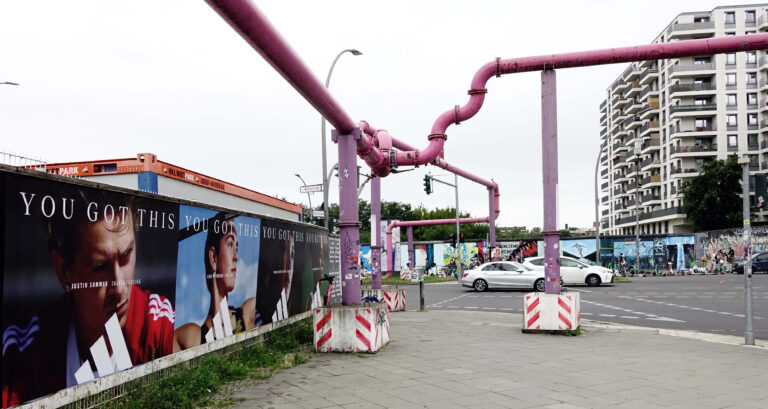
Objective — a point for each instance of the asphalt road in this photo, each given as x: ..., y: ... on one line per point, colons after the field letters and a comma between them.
x: 713, y: 304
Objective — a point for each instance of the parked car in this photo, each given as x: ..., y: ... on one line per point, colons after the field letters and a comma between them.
x: 759, y: 263
x: 503, y: 274
x: 573, y: 271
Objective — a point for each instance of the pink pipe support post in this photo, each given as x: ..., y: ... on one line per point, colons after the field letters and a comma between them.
x: 411, y: 257
x: 376, y: 233
x: 349, y: 223
x: 549, y: 160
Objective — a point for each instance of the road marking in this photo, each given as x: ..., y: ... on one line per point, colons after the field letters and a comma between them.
x: 665, y: 319
x: 471, y: 308
x: 507, y: 309
x: 487, y: 308
x: 606, y: 315
x: 626, y: 316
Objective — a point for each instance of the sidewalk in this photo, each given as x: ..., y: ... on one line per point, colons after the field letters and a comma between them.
x: 458, y: 359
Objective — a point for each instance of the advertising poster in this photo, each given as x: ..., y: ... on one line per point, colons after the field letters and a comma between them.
x: 216, y: 278
x: 365, y: 258
x: 581, y: 249
x: 89, y: 284
x: 333, y: 261
x: 291, y: 261
x: 420, y: 254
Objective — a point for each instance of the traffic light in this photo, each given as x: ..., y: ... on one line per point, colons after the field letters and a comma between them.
x: 761, y: 191
x: 461, y: 238
x: 453, y: 239
x: 427, y: 184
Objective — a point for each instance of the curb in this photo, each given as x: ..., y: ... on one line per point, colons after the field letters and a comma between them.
x: 695, y: 335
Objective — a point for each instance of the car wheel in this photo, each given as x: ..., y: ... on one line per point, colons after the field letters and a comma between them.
x: 539, y: 285
x: 593, y: 280
x: 480, y: 285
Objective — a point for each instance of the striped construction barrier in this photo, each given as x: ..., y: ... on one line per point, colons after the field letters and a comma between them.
x: 351, y: 328
x: 551, y: 312
x: 393, y: 297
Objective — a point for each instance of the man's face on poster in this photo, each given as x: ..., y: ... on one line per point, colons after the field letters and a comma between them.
x: 101, y: 272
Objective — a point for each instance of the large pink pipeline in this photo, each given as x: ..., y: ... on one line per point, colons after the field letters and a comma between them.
x: 569, y: 60
x: 254, y: 27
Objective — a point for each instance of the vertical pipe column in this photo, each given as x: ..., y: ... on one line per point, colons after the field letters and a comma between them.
x: 411, y: 256
x: 549, y: 165
x: 376, y: 233
x: 349, y: 222
x: 491, y: 222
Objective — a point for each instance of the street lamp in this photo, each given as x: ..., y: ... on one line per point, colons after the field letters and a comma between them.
x: 311, y: 210
x: 638, y: 149
x: 8, y: 83
x: 322, y: 131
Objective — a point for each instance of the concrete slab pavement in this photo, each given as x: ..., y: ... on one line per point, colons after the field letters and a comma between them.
x: 476, y: 359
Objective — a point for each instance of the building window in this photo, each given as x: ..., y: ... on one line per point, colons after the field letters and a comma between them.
x: 701, y: 101
x: 751, y: 78
x: 730, y: 33
x: 751, y: 57
x: 731, y: 120
x: 749, y: 16
x: 751, y: 98
x: 752, y: 119
x: 730, y: 59
x: 730, y: 17
x: 733, y: 141
x: 752, y: 140
x: 730, y: 78
x: 730, y: 99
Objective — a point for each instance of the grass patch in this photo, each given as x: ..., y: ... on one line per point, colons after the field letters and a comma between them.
x: 198, y: 385
x: 400, y: 281
x: 566, y: 332
x: 620, y: 279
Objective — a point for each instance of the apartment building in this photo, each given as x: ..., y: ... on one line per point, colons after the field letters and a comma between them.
x: 663, y: 120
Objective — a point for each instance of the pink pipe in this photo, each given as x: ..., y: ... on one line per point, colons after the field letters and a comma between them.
x: 477, y: 92
x: 254, y: 27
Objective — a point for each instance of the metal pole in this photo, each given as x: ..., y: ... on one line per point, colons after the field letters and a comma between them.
x: 322, y: 137
x: 421, y: 293
x: 597, y: 211
x: 376, y: 233
x: 637, y: 211
x: 311, y: 210
x: 459, y: 264
x: 549, y: 163
x: 749, y: 336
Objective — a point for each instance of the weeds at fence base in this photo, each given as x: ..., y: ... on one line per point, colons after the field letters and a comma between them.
x: 565, y: 332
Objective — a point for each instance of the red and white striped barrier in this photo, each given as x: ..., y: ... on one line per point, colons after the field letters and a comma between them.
x: 351, y: 328
x: 552, y: 312
x: 395, y: 299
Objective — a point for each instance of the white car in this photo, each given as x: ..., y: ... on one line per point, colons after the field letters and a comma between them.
x: 573, y: 271
x: 503, y: 274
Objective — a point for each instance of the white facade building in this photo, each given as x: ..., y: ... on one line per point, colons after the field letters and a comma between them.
x: 682, y: 113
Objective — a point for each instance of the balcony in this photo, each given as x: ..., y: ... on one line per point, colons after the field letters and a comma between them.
x: 650, y: 197
x: 603, y: 118
x: 605, y: 212
x: 691, y: 88
x: 691, y: 149
x: 683, y: 172
x: 603, y: 105
x: 662, y: 212
x: 604, y: 225
x: 691, y: 69
x: 673, y: 190
x: 604, y: 186
x: 648, y: 75
x: 604, y: 199
x: 683, y: 29
x: 650, y: 179
x: 763, y: 165
x: 651, y: 143
x: 649, y: 125
x: 692, y: 108
x: 604, y: 171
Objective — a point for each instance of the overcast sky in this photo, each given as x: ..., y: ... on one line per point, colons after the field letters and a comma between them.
x: 105, y: 79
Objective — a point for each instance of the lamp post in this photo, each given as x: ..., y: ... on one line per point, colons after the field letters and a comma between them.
x: 638, y: 149
x: 597, y: 210
x: 749, y: 335
x: 308, y: 197
x: 322, y: 131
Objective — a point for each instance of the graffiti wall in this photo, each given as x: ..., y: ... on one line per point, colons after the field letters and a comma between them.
x: 98, y: 281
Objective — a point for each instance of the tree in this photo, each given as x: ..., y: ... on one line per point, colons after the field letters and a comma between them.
x: 711, y: 201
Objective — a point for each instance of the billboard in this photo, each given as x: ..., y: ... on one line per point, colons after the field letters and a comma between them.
x: 98, y: 281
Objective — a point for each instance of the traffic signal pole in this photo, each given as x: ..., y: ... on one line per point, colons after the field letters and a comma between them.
x: 459, y: 264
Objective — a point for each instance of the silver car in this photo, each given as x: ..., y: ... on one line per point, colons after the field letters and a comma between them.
x: 503, y: 274
x: 573, y: 271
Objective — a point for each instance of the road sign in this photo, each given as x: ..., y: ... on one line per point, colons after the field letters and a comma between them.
x: 311, y: 188
x: 318, y: 213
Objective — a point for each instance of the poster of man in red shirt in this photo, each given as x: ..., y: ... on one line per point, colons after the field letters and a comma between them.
x: 89, y: 278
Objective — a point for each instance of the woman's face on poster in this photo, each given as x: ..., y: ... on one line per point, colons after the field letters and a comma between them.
x: 226, y: 258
